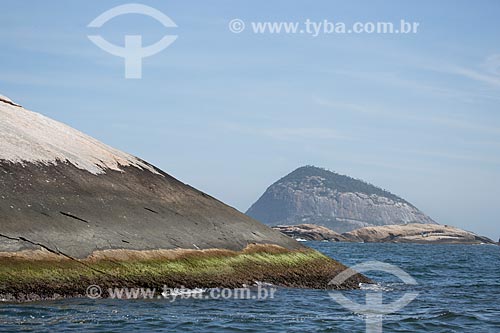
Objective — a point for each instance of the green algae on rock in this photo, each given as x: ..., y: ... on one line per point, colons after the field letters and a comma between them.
x: 52, y: 276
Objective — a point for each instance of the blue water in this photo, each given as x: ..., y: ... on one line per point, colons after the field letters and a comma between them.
x: 458, y: 286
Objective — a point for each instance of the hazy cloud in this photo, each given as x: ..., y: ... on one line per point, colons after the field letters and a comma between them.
x: 290, y: 133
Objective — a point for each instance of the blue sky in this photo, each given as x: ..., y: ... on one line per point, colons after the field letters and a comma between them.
x: 231, y: 113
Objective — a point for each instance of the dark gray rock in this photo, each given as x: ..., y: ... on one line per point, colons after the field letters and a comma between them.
x: 70, y: 194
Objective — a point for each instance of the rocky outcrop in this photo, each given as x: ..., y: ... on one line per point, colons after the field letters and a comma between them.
x: 408, y: 233
x: 66, y: 192
x: 65, y: 196
x: 416, y: 233
x: 317, y: 196
x: 310, y: 232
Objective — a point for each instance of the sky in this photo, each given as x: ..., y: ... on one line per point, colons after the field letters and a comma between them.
x: 230, y: 113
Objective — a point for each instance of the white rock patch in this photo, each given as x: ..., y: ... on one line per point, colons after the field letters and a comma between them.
x: 29, y: 137
x: 5, y: 98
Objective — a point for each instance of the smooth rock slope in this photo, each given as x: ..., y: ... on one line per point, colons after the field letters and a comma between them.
x: 314, y: 195
x: 69, y: 193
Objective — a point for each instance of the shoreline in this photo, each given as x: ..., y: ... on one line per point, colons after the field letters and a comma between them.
x: 48, y: 276
x: 399, y: 242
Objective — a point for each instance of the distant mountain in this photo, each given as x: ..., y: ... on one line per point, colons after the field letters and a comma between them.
x: 322, y: 197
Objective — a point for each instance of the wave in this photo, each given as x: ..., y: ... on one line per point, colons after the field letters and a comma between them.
x: 183, y: 291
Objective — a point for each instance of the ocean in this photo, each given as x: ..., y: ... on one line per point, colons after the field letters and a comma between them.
x: 458, y: 289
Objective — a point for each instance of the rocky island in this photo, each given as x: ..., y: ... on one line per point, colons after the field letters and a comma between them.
x: 406, y: 233
x: 311, y: 232
x: 312, y: 203
x: 312, y: 195
x: 75, y: 212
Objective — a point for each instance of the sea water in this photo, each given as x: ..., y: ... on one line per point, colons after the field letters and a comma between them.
x: 458, y: 290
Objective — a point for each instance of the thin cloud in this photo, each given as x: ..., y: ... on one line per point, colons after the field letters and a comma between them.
x: 473, y: 74
x: 310, y: 133
x: 395, y: 80
x: 453, y: 156
x: 487, y: 72
x: 290, y: 133
x: 492, y: 64
x: 384, y: 112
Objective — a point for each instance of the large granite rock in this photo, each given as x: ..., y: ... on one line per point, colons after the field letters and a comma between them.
x: 317, y: 196
x: 68, y: 193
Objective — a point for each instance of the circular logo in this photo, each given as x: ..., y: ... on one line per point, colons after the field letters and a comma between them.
x: 236, y: 26
x: 94, y: 291
x: 133, y: 52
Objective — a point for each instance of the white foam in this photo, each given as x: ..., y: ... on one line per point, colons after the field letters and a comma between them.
x: 29, y: 137
x: 374, y: 287
x: 263, y: 284
x: 183, y: 292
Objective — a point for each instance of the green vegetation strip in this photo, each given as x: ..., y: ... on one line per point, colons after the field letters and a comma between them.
x: 304, y: 268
